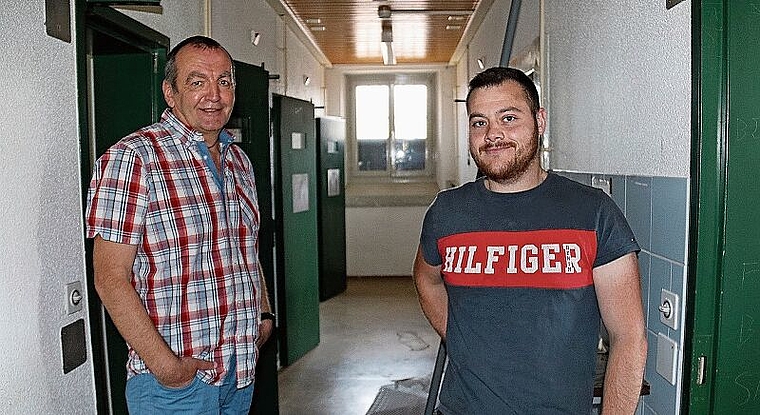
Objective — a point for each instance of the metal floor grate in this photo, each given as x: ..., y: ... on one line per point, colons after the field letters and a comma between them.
x: 403, y: 397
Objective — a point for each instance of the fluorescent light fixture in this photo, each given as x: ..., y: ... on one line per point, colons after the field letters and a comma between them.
x: 482, y: 63
x: 317, y: 28
x: 453, y: 27
x: 386, y: 44
x: 255, y: 38
x: 313, y: 21
x: 306, y: 80
x: 386, y: 48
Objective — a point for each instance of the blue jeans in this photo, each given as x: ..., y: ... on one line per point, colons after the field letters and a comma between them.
x: 146, y: 396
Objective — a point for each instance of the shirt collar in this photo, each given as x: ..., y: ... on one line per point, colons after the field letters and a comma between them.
x: 187, y: 134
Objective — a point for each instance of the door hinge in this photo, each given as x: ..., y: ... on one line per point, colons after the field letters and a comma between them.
x: 701, y: 369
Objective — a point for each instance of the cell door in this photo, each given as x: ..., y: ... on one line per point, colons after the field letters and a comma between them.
x: 722, y: 375
x: 297, y: 249
x: 123, y: 73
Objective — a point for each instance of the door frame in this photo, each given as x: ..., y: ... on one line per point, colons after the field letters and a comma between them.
x: 90, y: 20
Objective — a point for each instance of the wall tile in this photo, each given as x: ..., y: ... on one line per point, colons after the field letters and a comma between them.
x: 638, y: 203
x: 644, y: 271
x: 618, y: 191
x: 677, y: 286
x: 584, y: 178
x: 669, y: 201
x: 659, y: 279
x: 662, y: 397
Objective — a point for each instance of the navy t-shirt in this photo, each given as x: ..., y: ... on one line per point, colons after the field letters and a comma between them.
x: 523, y: 318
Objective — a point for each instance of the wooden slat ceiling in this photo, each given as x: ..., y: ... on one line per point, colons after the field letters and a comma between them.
x: 349, y: 31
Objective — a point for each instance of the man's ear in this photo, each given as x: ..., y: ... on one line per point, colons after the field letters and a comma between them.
x: 541, y: 120
x: 168, y: 93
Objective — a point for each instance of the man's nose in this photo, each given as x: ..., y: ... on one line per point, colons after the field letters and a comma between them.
x: 494, y: 133
x: 213, y: 92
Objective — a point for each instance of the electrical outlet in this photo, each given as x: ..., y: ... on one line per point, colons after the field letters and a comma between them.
x: 667, y: 357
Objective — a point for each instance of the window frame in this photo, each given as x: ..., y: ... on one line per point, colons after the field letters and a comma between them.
x: 390, y: 175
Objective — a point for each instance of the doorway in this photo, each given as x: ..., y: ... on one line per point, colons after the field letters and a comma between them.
x: 120, y: 56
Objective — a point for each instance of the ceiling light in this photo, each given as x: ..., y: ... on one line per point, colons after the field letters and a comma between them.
x: 453, y: 27
x: 317, y: 28
x: 386, y: 48
x: 306, y: 80
x: 482, y: 63
x: 456, y: 18
x: 386, y: 44
x: 313, y: 21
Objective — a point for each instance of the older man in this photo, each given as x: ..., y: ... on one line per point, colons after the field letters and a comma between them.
x: 174, y: 214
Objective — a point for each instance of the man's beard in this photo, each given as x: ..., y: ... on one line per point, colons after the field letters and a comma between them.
x: 506, y: 170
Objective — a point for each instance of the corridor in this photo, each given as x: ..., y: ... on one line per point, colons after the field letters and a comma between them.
x: 371, y: 335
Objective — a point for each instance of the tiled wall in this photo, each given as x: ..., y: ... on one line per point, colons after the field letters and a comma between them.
x: 656, y: 208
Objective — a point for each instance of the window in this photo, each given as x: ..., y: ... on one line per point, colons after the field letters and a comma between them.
x: 391, y: 118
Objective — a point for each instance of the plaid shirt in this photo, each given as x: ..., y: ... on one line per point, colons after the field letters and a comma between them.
x: 196, y: 269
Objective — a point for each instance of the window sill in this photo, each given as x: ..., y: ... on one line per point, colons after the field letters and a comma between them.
x: 390, y: 194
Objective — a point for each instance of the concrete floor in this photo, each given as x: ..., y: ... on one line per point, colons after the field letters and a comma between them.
x: 370, y: 336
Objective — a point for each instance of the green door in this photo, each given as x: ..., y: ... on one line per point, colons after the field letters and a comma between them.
x: 250, y: 120
x: 121, y: 81
x: 722, y: 373
x: 297, y: 252
x: 331, y: 132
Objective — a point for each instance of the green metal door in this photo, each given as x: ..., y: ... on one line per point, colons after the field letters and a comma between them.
x: 297, y: 254
x: 331, y: 132
x: 250, y: 120
x: 121, y: 73
x: 723, y: 350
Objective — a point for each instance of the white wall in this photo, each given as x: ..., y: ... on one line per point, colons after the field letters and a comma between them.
x: 382, y: 241
x: 41, y: 232
x: 620, y: 86
x: 231, y: 24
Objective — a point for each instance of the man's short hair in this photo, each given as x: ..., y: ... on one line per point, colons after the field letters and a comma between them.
x: 498, y: 75
x: 202, y: 42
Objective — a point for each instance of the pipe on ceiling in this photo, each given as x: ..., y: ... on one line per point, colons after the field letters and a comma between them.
x: 509, y: 35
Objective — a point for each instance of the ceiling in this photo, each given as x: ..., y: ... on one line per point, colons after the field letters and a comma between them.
x: 349, y: 31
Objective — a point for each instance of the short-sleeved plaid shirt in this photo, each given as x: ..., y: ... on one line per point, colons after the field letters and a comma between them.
x: 196, y: 269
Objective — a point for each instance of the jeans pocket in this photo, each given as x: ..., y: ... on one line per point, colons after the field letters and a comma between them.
x: 189, y: 385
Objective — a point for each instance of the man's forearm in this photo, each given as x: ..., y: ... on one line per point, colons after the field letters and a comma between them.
x: 134, y: 324
x: 624, y: 375
x: 432, y: 294
x: 112, y: 263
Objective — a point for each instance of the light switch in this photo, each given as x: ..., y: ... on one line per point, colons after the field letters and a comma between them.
x: 667, y: 357
x: 74, y: 297
x: 669, y: 309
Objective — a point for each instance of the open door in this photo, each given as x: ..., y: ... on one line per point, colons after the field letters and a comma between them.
x: 122, y: 66
x: 722, y: 370
x: 250, y: 122
x: 297, y: 250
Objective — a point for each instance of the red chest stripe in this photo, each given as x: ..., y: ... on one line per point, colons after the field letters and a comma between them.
x: 558, y: 258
